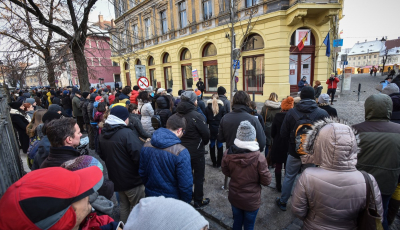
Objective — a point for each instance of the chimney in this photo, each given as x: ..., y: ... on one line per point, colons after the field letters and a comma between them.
x: 100, y: 19
x: 112, y: 23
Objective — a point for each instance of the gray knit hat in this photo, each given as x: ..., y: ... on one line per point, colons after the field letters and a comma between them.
x: 189, y: 96
x: 30, y: 101
x: 246, y: 131
x: 151, y: 214
x: 390, y: 89
x: 323, y: 98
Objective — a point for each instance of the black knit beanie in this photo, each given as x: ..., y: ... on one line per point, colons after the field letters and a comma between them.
x: 307, y: 93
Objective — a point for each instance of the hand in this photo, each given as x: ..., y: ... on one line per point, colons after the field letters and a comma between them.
x: 148, y: 139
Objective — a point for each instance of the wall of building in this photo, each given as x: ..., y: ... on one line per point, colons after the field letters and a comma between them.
x: 362, y: 60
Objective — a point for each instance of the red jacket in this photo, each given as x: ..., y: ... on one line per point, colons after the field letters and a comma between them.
x: 332, y: 84
x: 111, y: 99
x: 93, y: 221
x: 133, y: 98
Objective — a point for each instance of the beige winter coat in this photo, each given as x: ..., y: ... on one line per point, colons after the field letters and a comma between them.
x: 332, y: 195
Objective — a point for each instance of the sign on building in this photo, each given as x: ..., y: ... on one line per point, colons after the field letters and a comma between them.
x: 140, y: 71
x: 337, y: 42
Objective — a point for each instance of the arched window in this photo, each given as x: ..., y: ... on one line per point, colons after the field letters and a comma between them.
x: 166, y: 58
x: 209, y: 50
x: 186, y: 55
x: 138, y: 62
x: 253, y: 42
x: 126, y: 66
x: 151, y: 61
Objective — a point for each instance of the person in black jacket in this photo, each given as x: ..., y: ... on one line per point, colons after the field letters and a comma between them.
x: 64, y: 135
x: 214, y: 112
x: 135, y: 124
x: 84, y: 107
x: 57, y: 99
x: 120, y: 150
x: 67, y: 103
x: 231, y: 121
x: 323, y: 103
x: 201, y: 87
x: 20, y: 121
x: 307, y: 106
x: 163, y: 109
x: 195, y: 138
x: 93, y: 124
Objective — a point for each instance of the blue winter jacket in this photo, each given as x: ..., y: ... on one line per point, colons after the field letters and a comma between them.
x: 301, y: 84
x: 165, y: 167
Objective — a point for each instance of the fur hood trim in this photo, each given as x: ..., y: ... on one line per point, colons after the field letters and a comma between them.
x: 273, y: 104
x: 219, y: 102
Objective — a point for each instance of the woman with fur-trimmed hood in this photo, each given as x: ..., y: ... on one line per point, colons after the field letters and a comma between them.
x: 332, y: 195
x: 214, y: 112
x: 271, y: 107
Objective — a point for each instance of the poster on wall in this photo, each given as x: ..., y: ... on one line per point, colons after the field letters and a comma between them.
x: 347, y: 79
x: 195, y: 75
x: 300, y: 35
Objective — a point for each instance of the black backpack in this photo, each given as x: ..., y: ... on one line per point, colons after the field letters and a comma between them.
x: 156, y: 121
x: 304, y: 123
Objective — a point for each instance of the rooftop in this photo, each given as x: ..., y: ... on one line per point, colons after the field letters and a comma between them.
x: 390, y: 44
x: 367, y: 47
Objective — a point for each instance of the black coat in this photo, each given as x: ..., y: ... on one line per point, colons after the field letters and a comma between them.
x: 42, y: 154
x: 330, y: 110
x: 66, y: 102
x: 19, y: 123
x: 213, y: 121
x: 202, y: 106
x: 163, y: 109
x: 59, y: 155
x: 231, y: 121
x: 85, y: 114
x: 200, y: 85
x: 120, y: 150
x: 196, y: 134
x: 57, y: 100
x: 136, y: 125
x: 318, y: 91
x: 280, y: 147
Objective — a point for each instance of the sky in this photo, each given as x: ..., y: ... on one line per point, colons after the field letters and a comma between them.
x: 363, y: 19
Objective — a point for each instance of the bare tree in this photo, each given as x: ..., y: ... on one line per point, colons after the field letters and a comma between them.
x: 15, y: 67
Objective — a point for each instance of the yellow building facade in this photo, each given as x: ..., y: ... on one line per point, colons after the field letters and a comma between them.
x: 269, y: 58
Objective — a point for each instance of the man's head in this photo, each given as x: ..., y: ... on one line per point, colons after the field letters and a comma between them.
x: 307, y: 93
x: 160, y: 90
x: 378, y: 107
x: 127, y: 90
x: 390, y: 89
x: 177, y: 125
x: 304, y: 78
x: 120, y: 112
x: 189, y: 96
x: 133, y: 108
x: 241, y: 98
x: 63, y: 132
x: 136, y: 88
x: 221, y: 90
x: 50, y: 198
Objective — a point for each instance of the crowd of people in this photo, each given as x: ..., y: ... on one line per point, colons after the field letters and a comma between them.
x: 153, y: 145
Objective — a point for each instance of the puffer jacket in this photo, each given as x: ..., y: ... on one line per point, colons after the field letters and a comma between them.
x: 146, y: 110
x: 133, y: 98
x: 268, y: 116
x: 136, y: 126
x: 331, y: 196
x: 248, y: 171
x: 124, y: 98
x: 379, y: 143
x: 165, y: 167
x: 76, y: 108
x: 163, y: 109
x: 85, y: 114
x: 396, y: 108
x: 213, y: 121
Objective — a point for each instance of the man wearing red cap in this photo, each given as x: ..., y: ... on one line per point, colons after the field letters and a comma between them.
x: 51, y: 198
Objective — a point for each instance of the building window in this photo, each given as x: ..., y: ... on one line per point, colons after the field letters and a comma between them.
x: 182, y: 14
x: 135, y: 33
x: 152, y: 80
x: 151, y: 61
x: 187, y: 78
x: 147, y: 25
x: 168, y: 77
x: 115, y: 42
x: 253, y: 42
x: 369, y: 56
x: 186, y: 55
x: 359, y: 58
x: 207, y: 10
x: 374, y: 56
x: 365, y: 57
x: 250, y: 3
x: 166, y: 58
x: 211, y: 75
x: 209, y: 50
x: 114, y: 63
x: 121, y: 7
x: 132, y: 3
x: 358, y: 63
x: 254, y: 74
x: 164, y: 23
x: 138, y: 62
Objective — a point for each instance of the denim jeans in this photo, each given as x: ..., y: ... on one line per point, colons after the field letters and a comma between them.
x: 385, y: 206
x: 293, y: 166
x: 242, y: 218
x: 128, y: 199
x: 212, y: 143
x: 266, y: 151
x: 69, y: 112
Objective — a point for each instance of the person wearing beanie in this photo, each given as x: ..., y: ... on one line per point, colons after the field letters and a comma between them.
x: 333, y: 195
x: 332, y: 85
x: 44, y: 144
x: 119, y: 148
x: 134, y: 95
x: 20, y: 120
x: 279, y: 148
x: 151, y: 214
x: 221, y: 94
x: 248, y: 170
x: 390, y: 89
x: 200, y: 86
x: 196, y: 136
x: 33, y: 102
x: 323, y: 103
x: 305, y: 112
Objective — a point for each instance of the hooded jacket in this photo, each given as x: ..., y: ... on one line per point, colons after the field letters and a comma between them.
x: 332, y: 195
x: 227, y: 103
x: 163, y: 109
x: 213, y: 121
x: 379, y: 143
x: 133, y: 98
x: 136, y: 126
x: 396, y: 108
x: 66, y: 102
x: 76, y: 106
x: 90, y: 107
x: 248, y: 171
x: 48, y: 94
x: 120, y: 150
x: 231, y: 121
x: 305, y: 106
x: 20, y: 122
x: 165, y: 167
x: 146, y: 110
x: 59, y: 155
x: 196, y: 134
x: 268, y: 116
x: 123, y: 98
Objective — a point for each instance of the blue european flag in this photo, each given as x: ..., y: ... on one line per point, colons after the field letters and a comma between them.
x: 327, y: 42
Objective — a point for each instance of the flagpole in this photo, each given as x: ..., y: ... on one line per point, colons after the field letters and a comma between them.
x: 299, y: 42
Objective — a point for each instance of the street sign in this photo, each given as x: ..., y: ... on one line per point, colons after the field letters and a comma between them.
x: 343, y: 57
x: 140, y: 71
x: 337, y: 42
x: 236, y: 79
x: 236, y: 64
x: 143, y: 83
x: 337, y: 49
x: 346, y: 63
